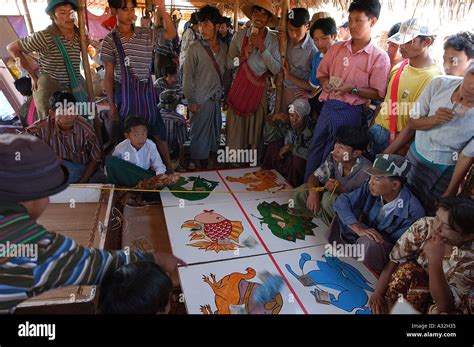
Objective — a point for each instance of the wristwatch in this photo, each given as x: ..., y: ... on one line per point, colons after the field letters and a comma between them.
x: 354, y: 90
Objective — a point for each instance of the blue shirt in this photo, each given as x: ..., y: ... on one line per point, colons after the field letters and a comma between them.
x: 407, y: 211
x: 314, y: 69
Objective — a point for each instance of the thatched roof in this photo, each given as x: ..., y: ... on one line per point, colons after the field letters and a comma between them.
x: 100, y: 4
x: 448, y: 9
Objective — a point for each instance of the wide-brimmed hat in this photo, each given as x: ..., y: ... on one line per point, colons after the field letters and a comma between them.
x: 53, y: 3
x: 29, y: 169
x: 247, y: 9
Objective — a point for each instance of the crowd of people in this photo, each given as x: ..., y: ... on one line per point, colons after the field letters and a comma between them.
x: 378, y: 143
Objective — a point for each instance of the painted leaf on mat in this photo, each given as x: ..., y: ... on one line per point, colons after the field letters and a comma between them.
x: 283, y: 224
x: 199, y: 184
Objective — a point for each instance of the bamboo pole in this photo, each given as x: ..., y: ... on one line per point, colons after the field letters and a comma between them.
x: 18, y: 8
x: 27, y: 16
x: 81, y: 16
x: 236, y: 15
x: 283, y: 40
x: 86, y: 15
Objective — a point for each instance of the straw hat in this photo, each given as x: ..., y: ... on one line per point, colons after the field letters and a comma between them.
x: 247, y: 9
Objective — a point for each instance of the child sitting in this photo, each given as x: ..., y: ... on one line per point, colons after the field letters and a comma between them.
x: 289, y: 138
x: 133, y: 158
x: 388, y: 210
x: 432, y: 265
x: 136, y: 288
x: 176, y: 132
x: 342, y: 171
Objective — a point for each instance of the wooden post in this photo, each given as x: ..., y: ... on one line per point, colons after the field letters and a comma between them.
x: 81, y: 16
x: 87, y: 17
x: 18, y: 8
x: 236, y: 16
x: 283, y: 44
x: 27, y: 16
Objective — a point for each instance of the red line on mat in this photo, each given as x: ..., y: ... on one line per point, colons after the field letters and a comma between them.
x: 264, y: 245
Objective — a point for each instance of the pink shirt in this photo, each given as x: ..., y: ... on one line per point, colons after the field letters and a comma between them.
x: 367, y: 68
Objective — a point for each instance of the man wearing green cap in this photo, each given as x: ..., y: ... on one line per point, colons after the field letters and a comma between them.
x: 388, y: 210
x: 30, y: 172
x: 57, y: 71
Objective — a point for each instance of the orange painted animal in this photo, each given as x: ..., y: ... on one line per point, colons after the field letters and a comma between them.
x: 226, y: 290
x: 258, y: 180
x: 235, y: 289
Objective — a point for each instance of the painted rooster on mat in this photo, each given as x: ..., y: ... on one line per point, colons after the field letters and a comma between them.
x: 216, y: 232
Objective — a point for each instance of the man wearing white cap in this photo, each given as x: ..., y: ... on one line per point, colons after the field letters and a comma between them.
x: 289, y: 138
x: 407, y: 80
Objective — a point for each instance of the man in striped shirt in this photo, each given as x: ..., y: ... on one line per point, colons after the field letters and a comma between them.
x: 138, y: 45
x: 58, y: 261
x: 52, y: 74
x: 70, y: 137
